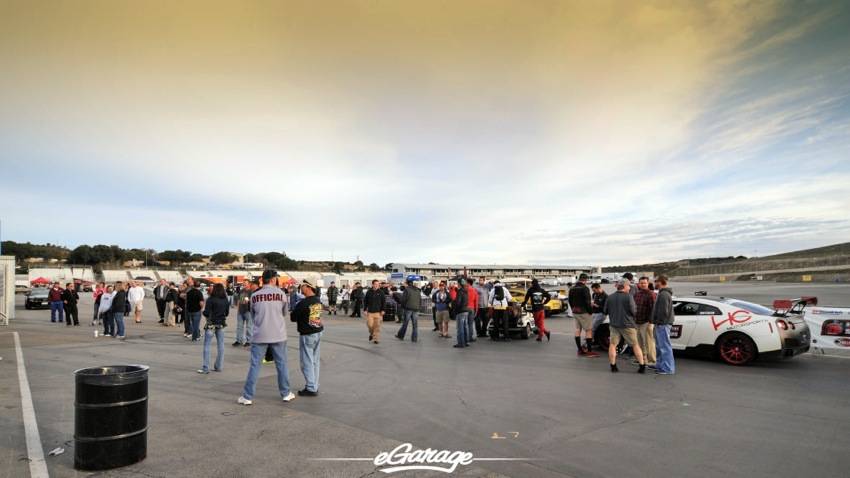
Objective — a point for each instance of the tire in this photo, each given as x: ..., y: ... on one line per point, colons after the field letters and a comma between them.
x: 526, y: 332
x: 602, y: 336
x: 736, y: 348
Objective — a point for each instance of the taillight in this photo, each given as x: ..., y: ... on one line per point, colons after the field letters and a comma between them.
x: 782, y: 324
x: 832, y: 328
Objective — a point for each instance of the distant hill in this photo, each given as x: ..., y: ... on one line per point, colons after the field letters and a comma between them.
x: 820, y: 256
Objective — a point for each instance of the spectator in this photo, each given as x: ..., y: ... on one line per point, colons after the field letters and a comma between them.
x: 160, y: 295
x: 70, y: 297
x: 441, y: 301
x: 499, y: 299
x: 244, y: 323
x: 538, y: 298
x: 170, y: 304
x: 194, y: 306
x: 620, y: 308
x: 631, y: 278
x: 180, y: 310
x: 308, y: 316
x: 344, y: 299
x: 411, y: 302
x: 374, y: 303
x: 645, y: 300
x: 104, y: 313
x: 599, y: 298
x: 356, y: 300
x: 394, y: 304
x: 581, y: 304
x: 57, y: 307
x: 333, y: 295
x: 117, y: 308
x: 216, y: 310
x: 472, y: 298
x: 460, y: 305
x: 136, y: 297
x: 99, y: 289
x: 662, y: 319
x: 482, y: 318
x: 269, y: 307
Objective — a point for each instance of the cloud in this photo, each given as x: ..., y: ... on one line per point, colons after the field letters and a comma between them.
x: 467, y: 132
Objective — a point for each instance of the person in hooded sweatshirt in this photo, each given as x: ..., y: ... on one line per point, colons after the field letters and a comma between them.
x: 104, y: 310
x: 119, y: 302
x: 538, y: 298
x: 216, y: 309
x: 663, y: 318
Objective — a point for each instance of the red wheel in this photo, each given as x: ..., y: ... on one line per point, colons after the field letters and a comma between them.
x: 736, y: 349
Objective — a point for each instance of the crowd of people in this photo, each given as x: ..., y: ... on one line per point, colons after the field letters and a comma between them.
x: 640, y: 317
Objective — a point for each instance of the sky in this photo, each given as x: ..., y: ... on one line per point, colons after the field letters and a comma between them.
x: 461, y: 131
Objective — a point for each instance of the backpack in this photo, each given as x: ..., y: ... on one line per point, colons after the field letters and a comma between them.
x: 499, y: 293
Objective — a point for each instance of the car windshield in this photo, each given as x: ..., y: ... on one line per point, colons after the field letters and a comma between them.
x: 750, y: 307
x: 39, y: 291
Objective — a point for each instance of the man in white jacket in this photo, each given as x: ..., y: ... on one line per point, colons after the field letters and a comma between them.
x: 136, y: 296
x: 499, y: 300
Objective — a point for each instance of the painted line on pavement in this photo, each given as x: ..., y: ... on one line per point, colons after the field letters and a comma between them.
x: 38, y: 467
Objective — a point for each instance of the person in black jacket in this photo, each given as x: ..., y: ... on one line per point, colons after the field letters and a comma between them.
x: 598, y: 297
x: 160, y: 292
x: 460, y: 307
x: 538, y: 298
x: 581, y: 303
x: 69, y: 301
x: 216, y: 309
x: 119, y: 304
x: 356, y: 300
x: 374, y: 304
x: 308, y: 316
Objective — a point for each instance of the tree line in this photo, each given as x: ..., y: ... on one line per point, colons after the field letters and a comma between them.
x: 103, y: 255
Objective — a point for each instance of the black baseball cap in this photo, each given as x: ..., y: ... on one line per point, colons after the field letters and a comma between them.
x: 269, y: 274
x: 583, y: 276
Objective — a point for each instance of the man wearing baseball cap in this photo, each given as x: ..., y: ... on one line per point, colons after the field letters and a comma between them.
x: 269, y: 306
x: 308, y: 316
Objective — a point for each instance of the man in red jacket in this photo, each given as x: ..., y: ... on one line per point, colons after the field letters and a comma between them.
x: 57, y: 306
x: 473, y: 309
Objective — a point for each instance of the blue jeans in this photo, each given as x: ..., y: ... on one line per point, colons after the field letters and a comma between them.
x: 57, y: 306
x: 219, y: 342
x: 461, y: 320
x: 409, y: 315
x: 108, y: 323
x: 244, y: 324
x: 308, y: 347
x: 664, y: 350
x: 195, y: 321
x: 470, y: 327
x: 118, y: 317
x: 258, y: 351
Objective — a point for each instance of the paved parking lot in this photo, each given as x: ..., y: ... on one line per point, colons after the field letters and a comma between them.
x: 562, y: 415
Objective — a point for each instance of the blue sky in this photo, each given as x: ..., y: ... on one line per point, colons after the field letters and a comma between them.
x: 586, y: 132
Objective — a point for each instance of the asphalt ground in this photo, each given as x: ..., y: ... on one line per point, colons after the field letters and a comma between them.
x: 563, y: 415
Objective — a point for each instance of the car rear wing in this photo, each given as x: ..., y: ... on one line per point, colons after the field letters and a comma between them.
x: 783, y: 307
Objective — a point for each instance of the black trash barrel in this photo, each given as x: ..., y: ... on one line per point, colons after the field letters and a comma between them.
x: 111, y: 416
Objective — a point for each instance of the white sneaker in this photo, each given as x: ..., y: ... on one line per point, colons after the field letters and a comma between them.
x: 244, y: 401
x: 121, y: 337
x: 289, y: 397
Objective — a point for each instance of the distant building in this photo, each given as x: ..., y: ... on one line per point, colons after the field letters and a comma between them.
x: 438, y: 271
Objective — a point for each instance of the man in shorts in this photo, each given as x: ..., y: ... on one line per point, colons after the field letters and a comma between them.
x: 581, y: 304
x: 136, y: 296
x: 441, y: 300
x: 621, y: 309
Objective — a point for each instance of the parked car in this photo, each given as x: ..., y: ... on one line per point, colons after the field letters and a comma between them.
x: 829, y: 326
x: 736, y: 331
x: 37, y: 298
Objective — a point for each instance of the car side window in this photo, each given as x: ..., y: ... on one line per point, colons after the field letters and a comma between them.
x: 685, y: 308
x: 705, y: 309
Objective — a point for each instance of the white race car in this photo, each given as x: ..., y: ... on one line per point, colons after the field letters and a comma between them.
x: 830, y: 326
x: 736, y: 331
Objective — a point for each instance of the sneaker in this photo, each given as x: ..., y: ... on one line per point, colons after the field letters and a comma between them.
x: 374, y: 341
x: 307, y: 393
x: 267, y: 361
x: 659, y: 372
x: 642, y: 369
x: 370, y: 337
x: 581, y: 352
x: 457, y: 346
x: 200, y: 370
x: 121, y: 337
x: 548, y: 336
x: 236, y: 344
x: 244, y: 401
x: 289, y: 397
x: 614, y: 368
x: 247, y: 344
x: 400, y: 338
